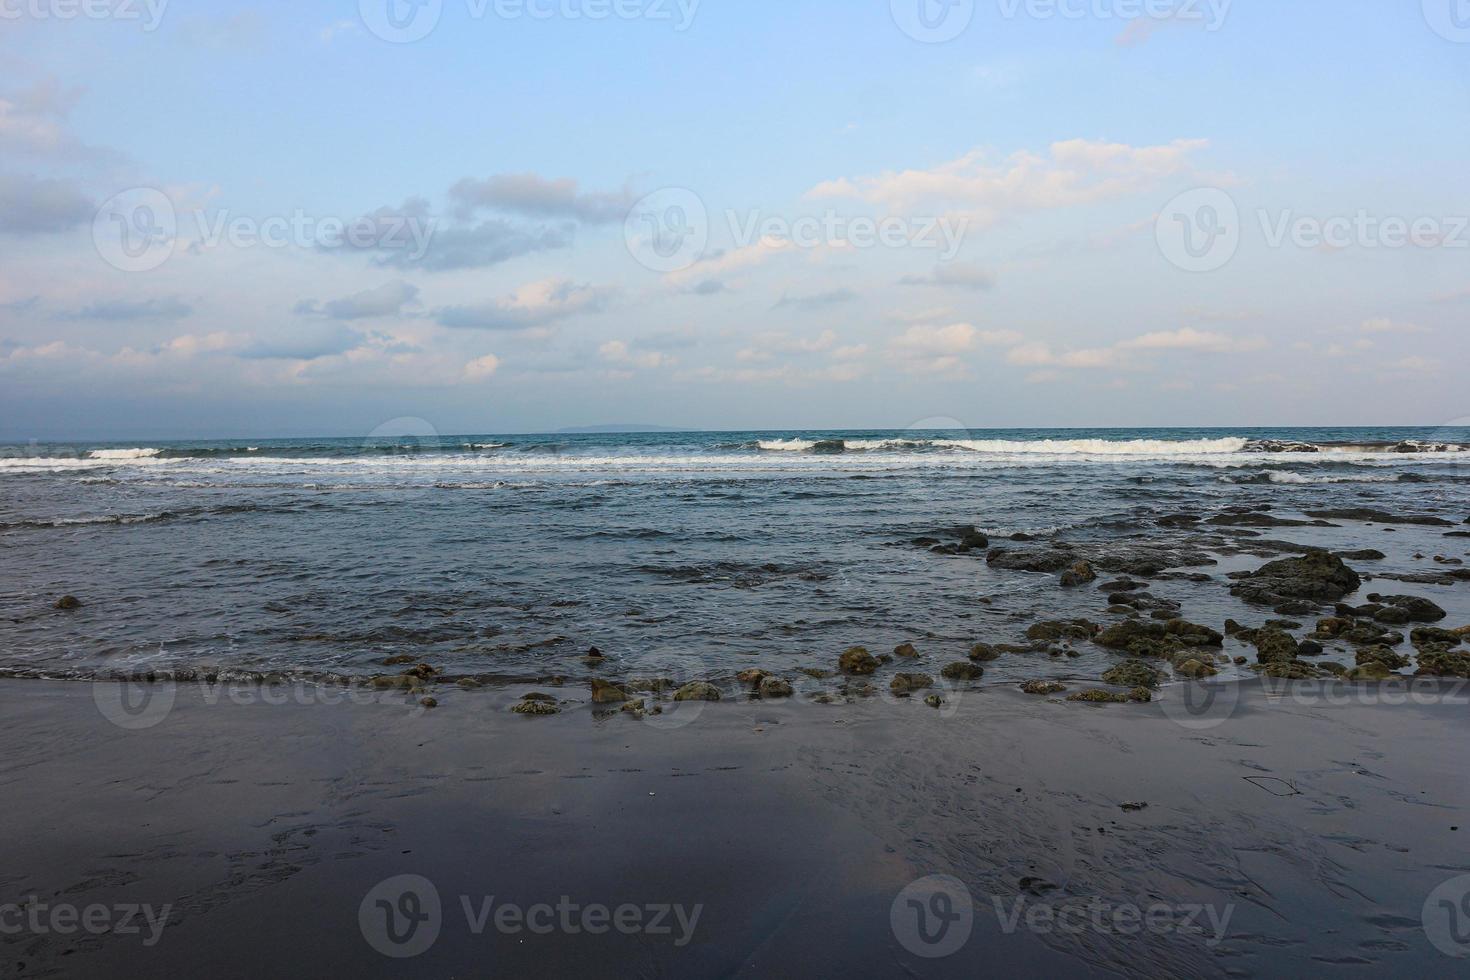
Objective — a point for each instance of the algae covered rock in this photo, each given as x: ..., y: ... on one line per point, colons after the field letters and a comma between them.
x: 605, y: 692
x: 906, y: 650
x: 984, y: 653
x: 1416, y: 608
x: 697, y: 691
x: 1275, y: 646
x: 1382, y: 655
x: 858, y: 661
x: 963, y: 671
x: 1196, y: 669
x: 1318, y: 575
x: 535, y: 708
x: 68, y: 602
x: 1138, y: 694
x: 1444, y: 663
x: 908, y: 683
x: 1043, y: 687
x: 1132, y: 673
x: 775, y: 687
x: 1079, y: 574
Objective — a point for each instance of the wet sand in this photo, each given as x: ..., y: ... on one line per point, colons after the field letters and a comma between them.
x: 1297, y: 834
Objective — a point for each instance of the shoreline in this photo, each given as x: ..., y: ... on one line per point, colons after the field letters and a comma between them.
x: 1321, y: 829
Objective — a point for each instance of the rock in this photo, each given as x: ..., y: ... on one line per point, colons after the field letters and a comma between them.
x: 1381, y: 655
x: 1132, y: 673
x: 1418, y: 609
x: 1444, y: 663
x: 1425, y: 635
x: 752, y: 676
x: 1333, y: 626
x: 1192, y: 634
x: 68, y: 602
x: 908, y: 683
x: 1232, y: 627
x: 1141, y: 694
x: 1079, y: 574
x: 697, y: 691
x: 1275, y: 646
x: 423, y: 672
x: 1368, y: 672
x: 1309, y: 648
x: 934, y: 701
x: 774, y: 687
x: 815, y: 674
x: 1121, y: 585
x: 535, y: 708
x: 537, y: 696
x: 1195, y: 669
x: 984, y: 653
x: 1371, y: 516
x: 1391, y: 615
x: 594, y: 654
x: 605, y: 692
x: 974, y: 540
x: 1367, y: 554
x: 1121, y: 636
x: 1293, y: 670
x: 963, y: 671
x: 858, y: 661
x: 1043, y: 687
x: 906, y: 650
x: 1317, y: 575
x: 1050, y: 560
x: 1052, y: 630
x: 398, y: 661
x: 470, y: 684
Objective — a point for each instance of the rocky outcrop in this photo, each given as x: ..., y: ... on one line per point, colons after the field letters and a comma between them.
x: 1317, y: 576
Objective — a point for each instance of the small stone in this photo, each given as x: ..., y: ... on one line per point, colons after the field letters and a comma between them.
x: 429, y: 703
x: 934, y: 701
x: 963, y: 671
x: 1079, y: 574
x: 907, y: 650
x: 535, y: 708
x: 1043, y: 687
x: 68, y: 602
x: 1195, y: 668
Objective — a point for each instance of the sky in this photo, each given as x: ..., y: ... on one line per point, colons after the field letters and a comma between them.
x: 289, y: 219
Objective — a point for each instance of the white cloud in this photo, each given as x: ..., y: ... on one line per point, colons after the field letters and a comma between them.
x: 1073, y: 172
x: 1385, y: 325
x: 618, y: 352
x: 481, y: 368
x: 1191, y: 339
x: 952, y: 339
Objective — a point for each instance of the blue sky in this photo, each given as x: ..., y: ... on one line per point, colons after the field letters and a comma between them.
x: 1035, y: 173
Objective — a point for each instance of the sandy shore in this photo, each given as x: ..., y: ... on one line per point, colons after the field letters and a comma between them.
x: 1284, y: 836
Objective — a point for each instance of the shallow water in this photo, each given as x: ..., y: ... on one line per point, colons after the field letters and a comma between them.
x: 510, y: 556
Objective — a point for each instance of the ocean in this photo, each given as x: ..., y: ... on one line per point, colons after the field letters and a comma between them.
x: 506, y: 558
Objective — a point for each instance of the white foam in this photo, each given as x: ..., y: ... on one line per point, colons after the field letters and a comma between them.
x: 123, y: 453
x: 787, y: 445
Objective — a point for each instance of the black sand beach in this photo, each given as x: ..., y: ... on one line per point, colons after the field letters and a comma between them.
x: 1283, y: 835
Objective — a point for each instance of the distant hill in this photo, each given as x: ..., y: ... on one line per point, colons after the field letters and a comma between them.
x: 596, y: 430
